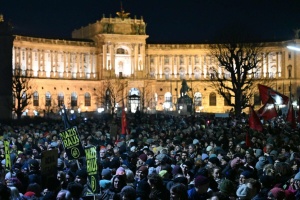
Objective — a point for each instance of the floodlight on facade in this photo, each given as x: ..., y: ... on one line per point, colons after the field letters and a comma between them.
x: 293, y: 48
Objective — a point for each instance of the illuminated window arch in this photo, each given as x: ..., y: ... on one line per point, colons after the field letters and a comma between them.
x: 35, y: 98
x: 212, y: 99
x: 87, y: 99
x: 73, y: 99
x: 47, y: 99
x: 121, y: 51
x: 60, y: 99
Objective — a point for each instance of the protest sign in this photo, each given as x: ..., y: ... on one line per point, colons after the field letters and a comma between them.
x: 49, y: 166
x: 92, y: 168
x: 72, y: 144
x: 7, y: 155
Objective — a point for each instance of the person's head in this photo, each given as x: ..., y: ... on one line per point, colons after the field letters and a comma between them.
x: 216, y: 172
x: 61, y: 195
x: 74, y: 190
x: 178, y: 192
x: 118, y: 182
x: 201, y: 184
x: 184, y: 155
x: 81, y: 176
x: 128, y: 193
x: 155, y: 181
x: 142, y: 172
x: 102, y: 153
x: 192, y: 148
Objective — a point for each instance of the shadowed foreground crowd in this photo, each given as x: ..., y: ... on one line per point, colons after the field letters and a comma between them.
x: 163, y: 157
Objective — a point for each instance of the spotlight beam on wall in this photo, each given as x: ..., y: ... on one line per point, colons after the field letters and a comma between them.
x: 293, y: 48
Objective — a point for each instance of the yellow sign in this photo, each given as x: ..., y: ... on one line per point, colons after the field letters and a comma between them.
x: 7, y: 155
x: 71, y: 142
x: 70, y: 137
x: 92, y: 167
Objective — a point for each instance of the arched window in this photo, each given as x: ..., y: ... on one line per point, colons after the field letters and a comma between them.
x: 73, y: 99
x: 87, y: 99
x: 121, y: 51
x: 212, y: 99
x: 60, y: 99
x: 35, y: 98
x: 168, y: 100
x: 47, y: 99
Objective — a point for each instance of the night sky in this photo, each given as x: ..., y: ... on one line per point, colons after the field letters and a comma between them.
x: 168, y: 21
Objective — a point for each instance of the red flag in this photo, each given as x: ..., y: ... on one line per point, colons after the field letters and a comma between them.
x: 290, y: 117
x: 254, y: 122
x: 124, y: 122
x: 266, y: 92
x: 268, y: 111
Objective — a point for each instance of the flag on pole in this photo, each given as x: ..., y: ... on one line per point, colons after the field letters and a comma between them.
x: 290, y: 117
x: 267, y: 92
x: 254, y: 122
x: 268, y: 111
x: 124, y: 121
x: 67, y: 123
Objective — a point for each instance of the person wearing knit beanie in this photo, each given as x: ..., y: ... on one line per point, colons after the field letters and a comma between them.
x: 227, y: 187
x: 276, y: 193
x: 200, y: 189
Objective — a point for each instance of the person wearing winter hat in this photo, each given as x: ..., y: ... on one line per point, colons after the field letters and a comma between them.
x: 244, y: 176
x: 276, y: 193
x: 261, y: 163
x: 141, y: 183
x: 199, y: 191
x: 120, y: 171
x: 141, y: 160
x: 266, y: 184
x: 106, y: 174
x: 227, y: 187
x: 247, y: 190
x: 258, y: 153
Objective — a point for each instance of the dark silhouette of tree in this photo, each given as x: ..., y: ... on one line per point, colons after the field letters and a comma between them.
x: 240, y: 65
x: 21, y: 92
x: 111, y: 93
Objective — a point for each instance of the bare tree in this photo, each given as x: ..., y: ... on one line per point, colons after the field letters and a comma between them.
x: 111, y: 93
x: 240, y: 65
x: 146, y: 94
x: 21, y: 92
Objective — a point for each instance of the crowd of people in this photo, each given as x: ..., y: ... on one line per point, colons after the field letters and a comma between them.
x: 161, y: 157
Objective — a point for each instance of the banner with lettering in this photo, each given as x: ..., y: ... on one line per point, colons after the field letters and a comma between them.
x: 72, y: 144
x: 49, y: 166
x: 7, y: 155
x: 92, y: 168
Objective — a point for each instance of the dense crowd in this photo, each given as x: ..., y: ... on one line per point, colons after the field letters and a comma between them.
x: 161, y: 157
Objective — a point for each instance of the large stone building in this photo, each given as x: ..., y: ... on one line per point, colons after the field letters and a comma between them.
x: 113, y: 53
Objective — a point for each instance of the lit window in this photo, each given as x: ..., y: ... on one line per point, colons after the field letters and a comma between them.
x: 73, y: 99
x: 60, y: 99
x: 48, y: 99
x: 87, y: 99
x: 35, y: 99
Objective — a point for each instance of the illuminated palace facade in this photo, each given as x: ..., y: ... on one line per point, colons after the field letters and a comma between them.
x: 76, y: 72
